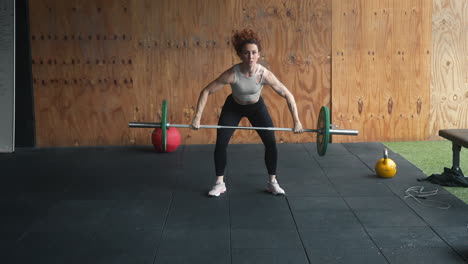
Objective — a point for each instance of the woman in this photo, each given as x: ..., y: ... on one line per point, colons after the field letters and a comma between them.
x: 246, y: 80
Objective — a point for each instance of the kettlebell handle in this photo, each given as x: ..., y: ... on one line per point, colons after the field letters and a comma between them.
x: 385, y: 155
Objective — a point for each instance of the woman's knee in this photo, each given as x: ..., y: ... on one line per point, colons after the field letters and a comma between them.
x: 268, y: 138
x: 220, y: 148
x: 271, y: 148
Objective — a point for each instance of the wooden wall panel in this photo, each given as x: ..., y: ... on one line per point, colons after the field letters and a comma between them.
x: 298, y: 41
x: 82, y: 71
x: 99, y: 64
x: 449, y: 85
x: 380, y: 74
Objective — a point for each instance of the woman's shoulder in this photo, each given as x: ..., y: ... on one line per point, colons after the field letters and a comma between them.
x: 235, y: 68
x: 263, y: 69
x: 268, y: 75
x: 228, y: 76
x: 232, y: 70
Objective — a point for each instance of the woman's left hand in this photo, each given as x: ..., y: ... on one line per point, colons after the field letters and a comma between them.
x: 298, y: 128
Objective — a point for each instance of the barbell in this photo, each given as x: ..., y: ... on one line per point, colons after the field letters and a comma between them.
x: 324, y: 128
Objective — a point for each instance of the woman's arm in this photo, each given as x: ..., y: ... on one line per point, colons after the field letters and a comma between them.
x: 279, y: 88
x: 226, y: 77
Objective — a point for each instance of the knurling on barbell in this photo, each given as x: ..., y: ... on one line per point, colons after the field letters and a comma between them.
x: 323, y: 128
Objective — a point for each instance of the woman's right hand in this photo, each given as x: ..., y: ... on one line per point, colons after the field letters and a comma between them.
x: 195, y: 124
x: 298, y: 128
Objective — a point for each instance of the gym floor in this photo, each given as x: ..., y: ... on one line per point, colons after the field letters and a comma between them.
x: 132, y: 205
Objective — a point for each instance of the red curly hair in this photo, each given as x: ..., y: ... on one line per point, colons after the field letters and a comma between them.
x: 246, y: 36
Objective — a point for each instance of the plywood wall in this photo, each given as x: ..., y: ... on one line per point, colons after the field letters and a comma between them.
x: 393, y: 69
x: 381, y: 63
x: 98, y: 65
x: 449, y: 85
x: 83, y: 63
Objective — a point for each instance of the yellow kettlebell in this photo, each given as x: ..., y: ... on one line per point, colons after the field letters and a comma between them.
x: 385, y: 167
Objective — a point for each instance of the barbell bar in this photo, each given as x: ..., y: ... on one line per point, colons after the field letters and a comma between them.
x: 169, y: 125
x: 324, y: 129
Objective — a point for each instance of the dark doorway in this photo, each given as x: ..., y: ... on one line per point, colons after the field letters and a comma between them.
x: 24, y: 111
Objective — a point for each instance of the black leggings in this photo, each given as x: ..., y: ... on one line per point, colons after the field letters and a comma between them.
x: 258, y: 116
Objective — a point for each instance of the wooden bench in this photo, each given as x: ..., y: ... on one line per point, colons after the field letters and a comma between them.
x: 459, y: 138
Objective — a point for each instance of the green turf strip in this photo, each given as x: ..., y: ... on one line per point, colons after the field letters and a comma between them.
x: 431, y: 157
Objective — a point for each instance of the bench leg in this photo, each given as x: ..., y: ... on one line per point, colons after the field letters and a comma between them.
x: 456, y: 158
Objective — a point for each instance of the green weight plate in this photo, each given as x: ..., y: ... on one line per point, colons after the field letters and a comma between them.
x: 164, y: 126
x: 323, y: 134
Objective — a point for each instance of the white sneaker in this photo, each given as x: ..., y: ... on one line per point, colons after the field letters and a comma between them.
x: 218, y: 189
x: 274, y: 188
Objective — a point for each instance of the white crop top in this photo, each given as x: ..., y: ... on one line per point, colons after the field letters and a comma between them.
x: 248, y: 88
